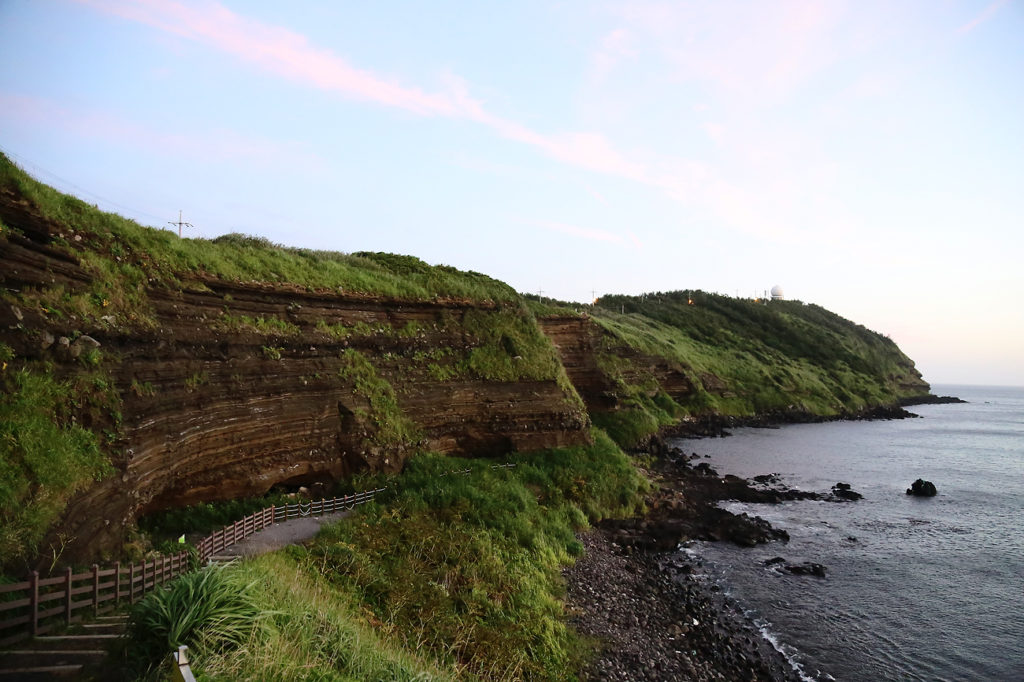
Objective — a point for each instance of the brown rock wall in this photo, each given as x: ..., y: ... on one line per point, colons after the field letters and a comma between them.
x: 213, y: 408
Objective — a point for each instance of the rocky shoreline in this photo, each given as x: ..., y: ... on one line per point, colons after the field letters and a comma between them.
x: 651, y: 608
x: 717, y: 425
x: 656, y: 617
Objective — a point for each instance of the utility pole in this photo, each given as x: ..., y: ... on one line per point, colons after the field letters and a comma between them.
x: 540, y: 295
x: 180, y: 224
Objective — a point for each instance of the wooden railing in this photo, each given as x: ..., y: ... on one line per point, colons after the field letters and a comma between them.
x: 39, y: 605
x: 235, y: 532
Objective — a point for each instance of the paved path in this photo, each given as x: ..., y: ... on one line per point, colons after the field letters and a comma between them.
x: 290, y: 532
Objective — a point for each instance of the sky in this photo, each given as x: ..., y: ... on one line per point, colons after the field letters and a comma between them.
x: 867, y: 156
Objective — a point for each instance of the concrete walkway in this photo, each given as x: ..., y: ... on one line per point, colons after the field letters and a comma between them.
x: 290, y: 532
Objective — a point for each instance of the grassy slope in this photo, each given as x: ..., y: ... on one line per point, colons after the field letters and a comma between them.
x: 450, y: 575
x: 772, y: 356
x: 767, y: 357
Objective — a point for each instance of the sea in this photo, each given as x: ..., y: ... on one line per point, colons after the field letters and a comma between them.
x: 915, y: 588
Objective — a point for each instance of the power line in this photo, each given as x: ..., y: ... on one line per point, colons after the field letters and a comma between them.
x: 39, y: 170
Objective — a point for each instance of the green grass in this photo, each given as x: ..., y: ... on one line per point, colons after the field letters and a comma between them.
x: 453, y: 573
x: 778, y: 356
x: 123, y: 257
x: 206, y: 517
x: 46, y: 456
x: 212, y: 610
x: 314, y: 632
x: 389, y: 425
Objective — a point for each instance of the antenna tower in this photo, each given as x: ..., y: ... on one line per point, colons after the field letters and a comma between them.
x: 180, y: 223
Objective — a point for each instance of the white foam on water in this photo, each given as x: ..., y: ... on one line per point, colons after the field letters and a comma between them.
x: 787, y: 652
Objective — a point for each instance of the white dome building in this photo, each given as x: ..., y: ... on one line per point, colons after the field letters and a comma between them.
x: 777, y: 294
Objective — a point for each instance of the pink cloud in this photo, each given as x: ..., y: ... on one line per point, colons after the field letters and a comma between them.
x: 984, y: 16
x: 597, y: 195
x: 290, y: 55
x: 753, y: 51
x: 215, y: 145
x: 278, y: 50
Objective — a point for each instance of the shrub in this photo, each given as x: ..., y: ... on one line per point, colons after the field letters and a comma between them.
x: 210, y: 611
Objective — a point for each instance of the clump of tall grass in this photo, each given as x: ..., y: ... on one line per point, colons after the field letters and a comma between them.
x: 320, y: 633
x: 211, y: 611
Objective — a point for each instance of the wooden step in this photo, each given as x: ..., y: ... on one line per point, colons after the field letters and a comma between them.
x: 118, y: 618
x: 68, y: 642
x: 25, y: 658
x: 41, y: 673
x: 111, y: 628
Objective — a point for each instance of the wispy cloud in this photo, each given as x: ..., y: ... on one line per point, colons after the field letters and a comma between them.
x: 278, y: 50
x: 984, y: 16
x: 292, y: 56
x: 738, y: 66
x: 109, y: 126
x: 756, y: 52
x: 597, y: 195
x: 588, y: 233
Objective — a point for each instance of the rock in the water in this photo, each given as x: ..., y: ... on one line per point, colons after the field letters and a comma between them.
x: 843, y: 492
x: 807, y: 568
x: 922, y: 488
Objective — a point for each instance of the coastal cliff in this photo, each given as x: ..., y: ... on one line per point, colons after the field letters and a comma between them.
x: 144, y: 372
x: 192, y: 386
x: 678, y: 359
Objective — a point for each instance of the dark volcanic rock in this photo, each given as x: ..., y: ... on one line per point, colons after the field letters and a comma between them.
x: 806, y: 568
x: 930, y: 400
x: 843, y: 492
x: 656, y: 618
x: 922, y: 488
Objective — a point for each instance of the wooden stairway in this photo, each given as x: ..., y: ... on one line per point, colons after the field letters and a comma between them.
x: 78, y: 654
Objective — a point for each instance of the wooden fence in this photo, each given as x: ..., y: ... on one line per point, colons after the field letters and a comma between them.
x: 39, y: 605
x: 233, y: 533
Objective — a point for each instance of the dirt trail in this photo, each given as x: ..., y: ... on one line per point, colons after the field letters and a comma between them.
x: 279, y: 535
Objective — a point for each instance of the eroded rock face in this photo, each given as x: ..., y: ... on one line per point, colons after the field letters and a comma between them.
x: 580, y: 341
x: 212, y: 409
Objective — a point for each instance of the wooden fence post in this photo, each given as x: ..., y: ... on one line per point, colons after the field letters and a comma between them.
x: 117, y: 583
x: 34, y: 601
x: 131, y: 582
x: 95, y: 590
x: 67, y: 596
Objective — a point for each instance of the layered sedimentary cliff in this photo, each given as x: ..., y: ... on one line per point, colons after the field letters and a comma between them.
x: 231, y: 388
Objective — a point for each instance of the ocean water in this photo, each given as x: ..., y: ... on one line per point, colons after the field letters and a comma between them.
x: 916, y: 588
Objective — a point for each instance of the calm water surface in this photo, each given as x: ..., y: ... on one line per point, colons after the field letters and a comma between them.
x: 917, y: 589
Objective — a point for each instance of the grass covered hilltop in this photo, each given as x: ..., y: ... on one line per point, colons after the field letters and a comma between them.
x: 179, y: 381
